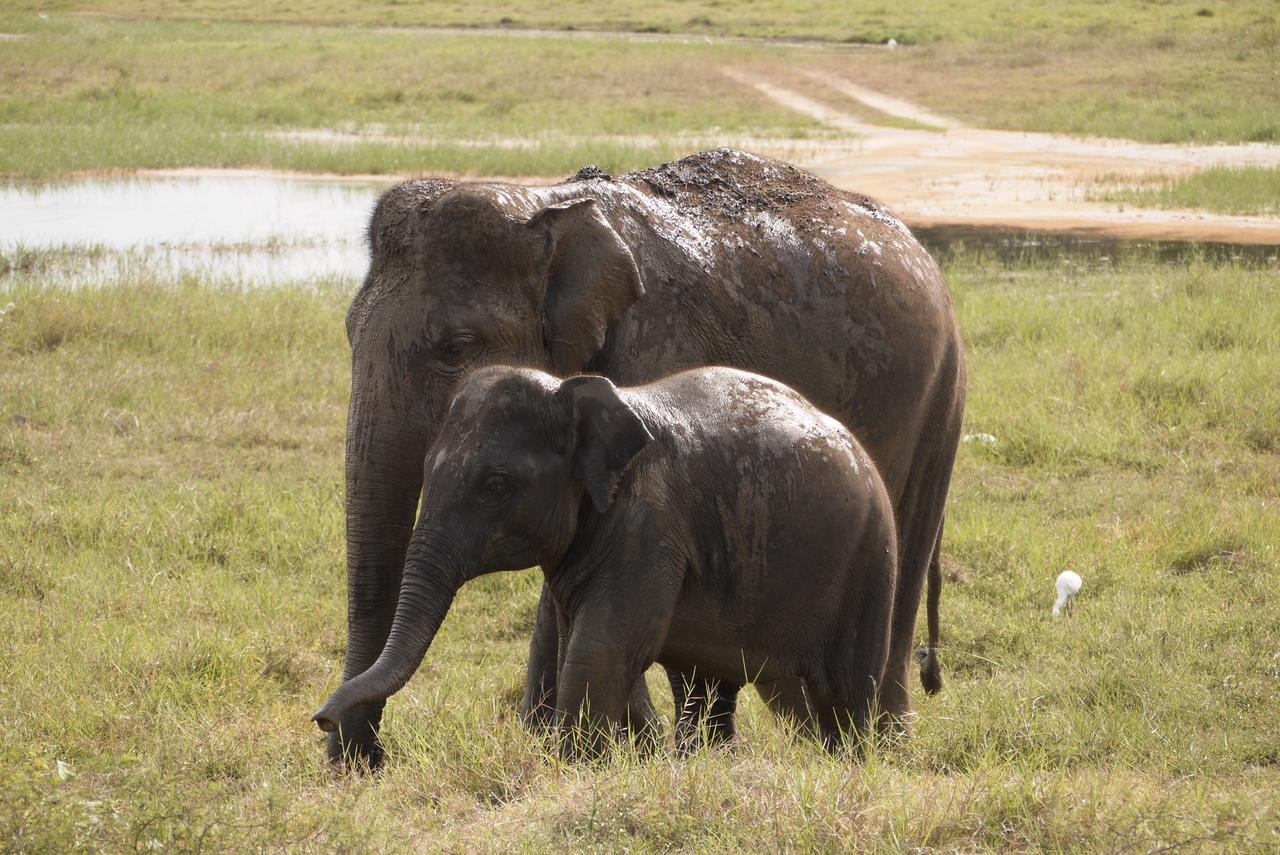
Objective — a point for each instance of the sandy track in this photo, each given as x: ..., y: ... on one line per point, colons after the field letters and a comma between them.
x: 969, y: 176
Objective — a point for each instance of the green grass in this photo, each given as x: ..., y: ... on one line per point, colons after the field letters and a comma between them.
x: 1227, y: 190
x: 88, y: 94
x: 171, y: 598
x: 1135, y: 84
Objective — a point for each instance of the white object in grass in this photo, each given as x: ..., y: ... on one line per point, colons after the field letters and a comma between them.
x: 1068, y: 586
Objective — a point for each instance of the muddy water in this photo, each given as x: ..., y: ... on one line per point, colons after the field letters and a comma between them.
x: 964, y: 244
x: 255, y: 229
x: 268, y: 229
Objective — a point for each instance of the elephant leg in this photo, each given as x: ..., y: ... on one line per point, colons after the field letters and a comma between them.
x: 546, y: 655
x: 644, y: 725
x: 828, y: 715
x: 537, y: 708
x: 919, y: 513
x: 790, y: 700
x: 853, y: 672
x: 596, y: 691
x: 706, y: 709
x: 615, y: 633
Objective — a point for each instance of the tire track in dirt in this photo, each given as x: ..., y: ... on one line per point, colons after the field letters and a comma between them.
x: 957, y: 175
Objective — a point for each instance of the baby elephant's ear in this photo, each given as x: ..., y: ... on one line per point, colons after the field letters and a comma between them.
x: 609, y: 435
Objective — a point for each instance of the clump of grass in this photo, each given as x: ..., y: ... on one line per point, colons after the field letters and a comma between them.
x: 27, y: 261
x: 1227, y: 190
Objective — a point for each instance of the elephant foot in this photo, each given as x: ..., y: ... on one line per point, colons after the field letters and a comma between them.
x: 354, y: 745
x: 357, y: 758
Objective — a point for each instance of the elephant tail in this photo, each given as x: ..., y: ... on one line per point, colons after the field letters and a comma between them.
x: 930, y: 669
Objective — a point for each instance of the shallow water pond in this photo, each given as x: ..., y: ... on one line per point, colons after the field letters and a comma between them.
x: 256, y: 229
x: 1019, y: 248
x: 264, y: 229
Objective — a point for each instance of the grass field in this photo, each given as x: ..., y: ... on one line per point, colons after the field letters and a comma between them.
x: 171, y: 598
x: 225, y: 84
x: 1228, y: 190
x: 91, y: 94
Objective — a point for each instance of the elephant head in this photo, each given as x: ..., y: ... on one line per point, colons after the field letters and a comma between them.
x: 517, y: 455
x: 460, y: 277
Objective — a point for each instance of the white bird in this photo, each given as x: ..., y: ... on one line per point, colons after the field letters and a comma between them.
x: 892, y: 43
x: 1068, y: 586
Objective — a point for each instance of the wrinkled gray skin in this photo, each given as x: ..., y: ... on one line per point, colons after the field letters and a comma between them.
x: 722, y: 258
x: 713, y: 521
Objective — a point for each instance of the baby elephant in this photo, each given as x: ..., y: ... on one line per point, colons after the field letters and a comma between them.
x: 713, y: 521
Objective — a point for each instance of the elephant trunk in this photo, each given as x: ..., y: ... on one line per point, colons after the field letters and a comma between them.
x: 432, y: 576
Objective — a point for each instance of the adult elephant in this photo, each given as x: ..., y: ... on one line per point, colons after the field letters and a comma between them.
x: 722, y: 258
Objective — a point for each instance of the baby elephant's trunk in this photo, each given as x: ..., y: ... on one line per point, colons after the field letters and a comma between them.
x: 426, y: 593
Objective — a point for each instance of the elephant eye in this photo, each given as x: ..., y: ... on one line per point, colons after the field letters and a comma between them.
x: 458, y: 349
x: 496, y: 487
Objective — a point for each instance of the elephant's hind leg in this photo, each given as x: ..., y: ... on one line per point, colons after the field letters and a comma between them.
x: 919, y: 513
x: 853, y: 683
x: 538, y: 707
x: 644, y: 726
x: 793, y: 702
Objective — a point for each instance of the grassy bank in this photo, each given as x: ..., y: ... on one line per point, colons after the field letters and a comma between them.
x: 171, y: 598
x: 1226, y: 190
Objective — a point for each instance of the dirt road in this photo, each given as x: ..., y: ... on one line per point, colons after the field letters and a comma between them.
x: 951, y: 174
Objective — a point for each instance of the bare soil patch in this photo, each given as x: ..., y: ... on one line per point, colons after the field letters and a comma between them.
x: 957, y: 175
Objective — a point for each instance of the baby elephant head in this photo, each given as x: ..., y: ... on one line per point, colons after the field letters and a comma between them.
x: 504, y: 486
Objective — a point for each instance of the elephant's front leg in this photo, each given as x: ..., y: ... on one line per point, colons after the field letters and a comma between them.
x: 614, y: 636
x: 595, y: 690
x: 538, y: 707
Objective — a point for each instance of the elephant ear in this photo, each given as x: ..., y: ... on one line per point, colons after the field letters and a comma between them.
x: 591, y: 280
x: 608, y: 434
